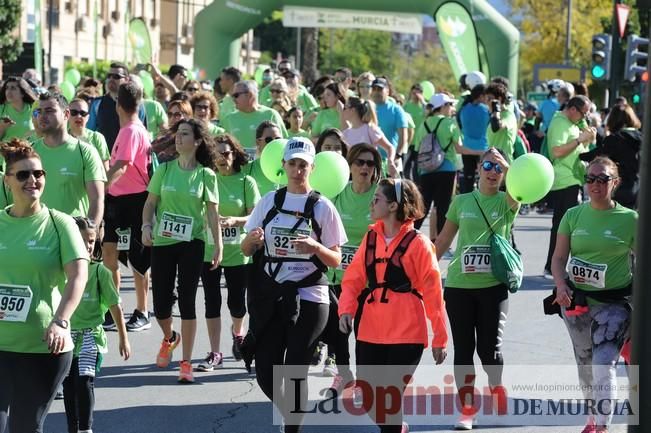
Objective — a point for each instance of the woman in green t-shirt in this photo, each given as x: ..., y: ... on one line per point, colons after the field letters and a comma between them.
x: 204, y: 107
x: 182, y: 193
x: 353, y: 205
x: 16, y: 99
x: 594, y: 289
x: 42, y: 278
x: 5, y: 193
x: 330, y: 117
x: 240, y: 195
x: 476, y: 302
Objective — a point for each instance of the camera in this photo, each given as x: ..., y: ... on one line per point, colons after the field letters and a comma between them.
x: 495, y: 106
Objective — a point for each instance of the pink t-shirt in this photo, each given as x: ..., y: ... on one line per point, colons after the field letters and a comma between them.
x: 132, y: 145
x: 367, y: 133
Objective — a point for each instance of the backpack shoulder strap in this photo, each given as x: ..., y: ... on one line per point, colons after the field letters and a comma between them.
x: 279, y: 199
x: 308, y: 211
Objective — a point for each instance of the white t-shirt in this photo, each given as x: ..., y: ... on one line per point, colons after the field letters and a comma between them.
x: 277, y: 238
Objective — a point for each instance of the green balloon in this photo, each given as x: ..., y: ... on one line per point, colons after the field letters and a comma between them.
x: 67, y: 90
x: 529, y: 178
x: 147, y: 83
x: 428, y: 89
x: 331, y: 173
x: 271, y: 161
x: 72, y: 76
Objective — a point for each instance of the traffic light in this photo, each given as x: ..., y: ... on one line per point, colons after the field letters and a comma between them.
x: 602, y: 45
x: 635, y: 59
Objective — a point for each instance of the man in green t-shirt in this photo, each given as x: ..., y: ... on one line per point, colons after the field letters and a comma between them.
x: 76, y: 175
x: 156, y: 117
x: 243, y: 123
x: 566, y: 142
x: 227, y: 80
x: 503, y: 127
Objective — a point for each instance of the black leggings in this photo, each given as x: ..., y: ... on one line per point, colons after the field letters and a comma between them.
x: 336, y: 340
x: 28, y: 383
x: 563, y: 200
x: 236, y: 283
x: 437, y: 187
x: 282, y: 343
x: 480, y: 312
x: 469, y: 173
x: 188, y: 258
x: 79, y: 399
x: 369, y: 355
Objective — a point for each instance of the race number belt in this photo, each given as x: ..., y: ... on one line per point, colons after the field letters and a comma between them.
x: 582, y: 272
x: 476, y: 259
x: 347, y: 254
x: 15, y: 301
x: 178, y: 227
x: 124, y: 239
x: 231, y: 235
x: 281, y: 245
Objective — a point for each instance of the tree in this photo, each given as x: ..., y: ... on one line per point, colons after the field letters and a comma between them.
x: 310, y: 54
x: 359, y: 50
x: 429, y: 64
x: 10, y: 45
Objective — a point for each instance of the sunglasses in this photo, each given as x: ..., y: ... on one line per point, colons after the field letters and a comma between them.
x: 226, y: 153
x: 115, y: 76
x: 238, y: 94
x: 276, y: 90
x: 601, y: 179
x: 490, y: 165
x: 23, y: 175
x: 192, y: 89
x: 270, y: 139
x: 364, y: 162
x: 81, y: 113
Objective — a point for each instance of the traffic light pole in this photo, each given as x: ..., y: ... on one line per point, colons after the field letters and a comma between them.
x: 615, y: 73
x: 641, y: 353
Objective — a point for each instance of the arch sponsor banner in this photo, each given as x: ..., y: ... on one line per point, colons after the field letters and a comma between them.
x: 295, y: 16
x: 458, y: 36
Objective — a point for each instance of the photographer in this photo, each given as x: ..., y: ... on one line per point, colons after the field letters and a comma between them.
x: 503, y: 127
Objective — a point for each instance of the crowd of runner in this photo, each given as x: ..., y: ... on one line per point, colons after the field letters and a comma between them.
x: 171, y: 185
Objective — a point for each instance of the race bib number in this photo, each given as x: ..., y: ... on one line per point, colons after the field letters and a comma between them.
x: 281, y: 245
x: 231, y: 235
x: 347, y: 254
x: 14, y: 302
x: 582, y: 272
x: 176, y: 227
x: 476, y: 259
x: 124, y: 239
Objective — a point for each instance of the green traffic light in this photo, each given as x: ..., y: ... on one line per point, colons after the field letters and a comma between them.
x: 636, y: 99
x: 598, y: 71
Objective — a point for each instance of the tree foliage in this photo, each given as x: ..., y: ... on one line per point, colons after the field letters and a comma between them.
x: 10, y: 45
x: 359, y: 50
x: 431, y: 64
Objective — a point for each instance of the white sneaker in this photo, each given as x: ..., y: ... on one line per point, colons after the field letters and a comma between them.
x: 465, y: 422
x: 547, y: 275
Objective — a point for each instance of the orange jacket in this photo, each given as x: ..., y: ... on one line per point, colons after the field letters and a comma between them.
x: 402, y: 319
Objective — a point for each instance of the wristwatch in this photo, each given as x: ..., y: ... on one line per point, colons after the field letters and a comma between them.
x: 61, y: 323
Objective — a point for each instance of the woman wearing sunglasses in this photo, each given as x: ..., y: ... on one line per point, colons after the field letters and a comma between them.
x: 476, y: 302
x: 77, y: 128
x: 182, y: 194
x: 45, y: 250
x: 242, y: 196
x: 265, y: 133
x: 597, y: 238
x: 205, y: 108
x: 16, y: 99
x: 391, y: 317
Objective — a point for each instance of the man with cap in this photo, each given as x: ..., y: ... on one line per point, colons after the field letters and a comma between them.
x: 243, y: 122
x: 391, y: 117
x: 299, y: 234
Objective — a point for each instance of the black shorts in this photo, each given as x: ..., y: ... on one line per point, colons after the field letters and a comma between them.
x: 125, y: 212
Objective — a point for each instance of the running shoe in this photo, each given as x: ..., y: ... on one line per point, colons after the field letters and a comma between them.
x: 405, y: 428
x: 138, y: 322
x: 547, y: 274
x: 109, y: 324
x: 329, y: 367
x: 466, y: 420
x: 185, y: 372
x: 319, y: 354
x: 589, y: 426
x: 237, y: 346
x: 524, y: 209
x: 213, y: 361
x: 166, y: 348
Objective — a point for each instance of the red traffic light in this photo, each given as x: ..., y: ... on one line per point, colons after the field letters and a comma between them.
x: 645, y: 76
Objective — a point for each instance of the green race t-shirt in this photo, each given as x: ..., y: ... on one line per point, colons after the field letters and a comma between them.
x: 215, y: 130
x: 601, y: 242
x: 183, y: 194
x: 417, y: 112
x: 97, y: 140
x: 69, y: 167
x: 354, y: 210
x: 22, y: 118
x: 34, y: 255
x: 100, y: 294
x: 5, y: 194
x: 226, y: 107
x: 328, y: 118
x: 238, y: 193
x: 254, y: 170
x: 470, y: 267
x: 300, y: 133
x: 156, y: 117
x: 305, y: 100
x: 264, y: 96
x: 243, y: 125
x: 447, y: 133
x: 561, y: 131
x: 504, y: 138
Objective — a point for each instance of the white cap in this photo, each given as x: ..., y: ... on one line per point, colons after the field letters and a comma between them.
x: 440, y: 99
x: 301, y: 148
x: 474, y: 78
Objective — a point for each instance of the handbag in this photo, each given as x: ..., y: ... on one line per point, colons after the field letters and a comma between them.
x: 506, y: 263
